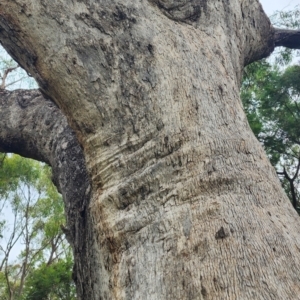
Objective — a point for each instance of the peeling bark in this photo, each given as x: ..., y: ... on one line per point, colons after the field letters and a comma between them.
x: 184, y: 203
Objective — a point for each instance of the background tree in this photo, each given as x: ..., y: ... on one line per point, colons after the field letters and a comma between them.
x: 31, y: 219
x: 270, y: 93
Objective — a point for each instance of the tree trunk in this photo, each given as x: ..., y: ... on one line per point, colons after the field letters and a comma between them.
x: 183, y: 202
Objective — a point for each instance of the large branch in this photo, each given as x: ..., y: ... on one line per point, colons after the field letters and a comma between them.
x: 34, y: 127
x: 287, y: 38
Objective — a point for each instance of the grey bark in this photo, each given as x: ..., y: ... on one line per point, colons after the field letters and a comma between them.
x: 34, y: 127
x: 183, y: 203
x: 287, y: 38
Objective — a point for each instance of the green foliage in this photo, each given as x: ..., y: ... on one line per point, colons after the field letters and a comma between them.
x: 271, y: 99
x: 271, y: 94
x: 51, y: 282
x: 32, y: 214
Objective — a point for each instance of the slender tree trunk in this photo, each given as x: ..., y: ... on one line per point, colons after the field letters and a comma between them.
x: 183, y: 202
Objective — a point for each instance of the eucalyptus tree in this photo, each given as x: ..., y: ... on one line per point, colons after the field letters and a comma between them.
x: 168, y: 194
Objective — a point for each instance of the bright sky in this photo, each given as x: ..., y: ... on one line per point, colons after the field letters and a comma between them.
x: 270, y: 6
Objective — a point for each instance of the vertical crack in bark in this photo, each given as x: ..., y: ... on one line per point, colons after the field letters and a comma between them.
x: 34, y: 127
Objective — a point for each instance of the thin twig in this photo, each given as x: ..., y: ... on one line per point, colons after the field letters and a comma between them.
x: 6, y: 72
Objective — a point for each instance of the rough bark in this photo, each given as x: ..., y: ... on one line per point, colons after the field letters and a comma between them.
x: 34, y: 127
x: 184, y: 203
x: 287, y: 38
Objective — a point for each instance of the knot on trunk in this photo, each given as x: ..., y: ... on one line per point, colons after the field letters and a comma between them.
x: 188, y: 11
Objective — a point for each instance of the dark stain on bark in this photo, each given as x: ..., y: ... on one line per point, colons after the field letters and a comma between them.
x: 150, y: 49
x: 203, y: 291
x: 222, y: 233
x: 188, y: 11
x: 119, y: 14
